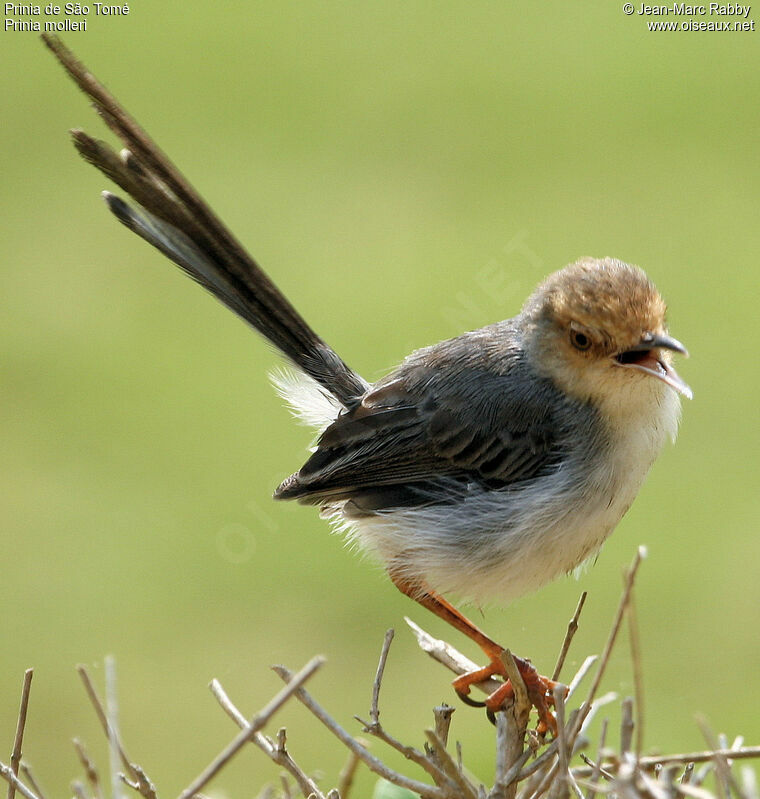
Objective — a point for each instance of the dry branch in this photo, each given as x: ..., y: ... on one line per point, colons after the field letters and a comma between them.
x: 20, y: 725
x: 526, y: 767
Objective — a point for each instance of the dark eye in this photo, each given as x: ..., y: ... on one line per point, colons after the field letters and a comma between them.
x: 579, y: 340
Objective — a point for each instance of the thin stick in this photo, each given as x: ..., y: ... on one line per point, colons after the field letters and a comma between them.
x: 20, y: 724
x: 135, y: 772
x: 374, y: 713
x: 89, y: 768
x: 112, y: 714
x: 513, y: 775
x: 27, y: 772
x: 506, y: 756
x: 78, y: 789
x: 581, y: 673
x: 562, y: 753
x: 346, y: 776
x: 687, y: 772
x: 618, y: 620
x: 254, y: 725
x: 598, y: 765
x: 572, y: 628
x: 111, y: 734
x: 442, y: 714
x: 518, y: 684
x: 409, y: 752
x: 448, y: 656
x: 650, y: 761
x: 598, y: 770
x: 6, y: 772
x: 638, y: 672
x: 449, y: 765
x: 721, y: 762
x: 375, y: 765
x: 305, y: 783
x: 510, y: 731
x: 626, y: 725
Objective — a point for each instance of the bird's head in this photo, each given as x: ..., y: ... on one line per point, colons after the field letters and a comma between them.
x: 597, y: 328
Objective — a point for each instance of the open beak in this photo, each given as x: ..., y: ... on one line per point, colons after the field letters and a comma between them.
x: 647, y: 357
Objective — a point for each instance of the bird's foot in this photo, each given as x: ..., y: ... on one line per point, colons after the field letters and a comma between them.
x: 540, y: 691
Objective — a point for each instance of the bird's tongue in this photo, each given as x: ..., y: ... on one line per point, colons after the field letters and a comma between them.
x: 649, y: 362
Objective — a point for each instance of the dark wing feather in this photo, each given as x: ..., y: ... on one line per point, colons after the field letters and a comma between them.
x: 429, y: 435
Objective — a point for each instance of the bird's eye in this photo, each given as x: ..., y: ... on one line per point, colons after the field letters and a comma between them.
x: 579, y: 340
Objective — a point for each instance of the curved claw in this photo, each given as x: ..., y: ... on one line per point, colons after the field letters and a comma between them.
x: 468, y: 700
x: 540, y: 692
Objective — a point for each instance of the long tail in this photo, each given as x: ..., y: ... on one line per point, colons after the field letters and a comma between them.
x: 176, y: 220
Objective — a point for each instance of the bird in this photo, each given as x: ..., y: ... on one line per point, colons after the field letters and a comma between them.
x: 483, y: 466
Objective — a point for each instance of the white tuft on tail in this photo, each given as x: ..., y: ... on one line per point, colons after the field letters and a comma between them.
x: 307, y: 400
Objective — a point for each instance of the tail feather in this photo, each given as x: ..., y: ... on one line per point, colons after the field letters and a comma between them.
x: 176, y: 220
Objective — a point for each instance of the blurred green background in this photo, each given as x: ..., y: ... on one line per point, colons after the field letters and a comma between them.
x: 404, y: 171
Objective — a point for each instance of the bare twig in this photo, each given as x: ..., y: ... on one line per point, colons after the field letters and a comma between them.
x: 282, y: 740
x: 90, y: 772
x: 374, y: 713
x: 510, y: 731
x: 562, y: 753
x: 102, y: 718
x: 572, y: 628
x: 518, y: 684
x: 721, y: 762
x: 597, y: 767
x: 134, y: 771
x: 510, y: 737
x: 638, y: 672
x: 30, y: 779
x: 375, y: 765
x: 307, y: 786
x: 626, y: 725
x: 449, y: 657
x: 442, y: 714
x: 346, y: 776
x: 112, y: 714
x: 618, y: 620
x: 6, y: 772
x: 254, y: 725
x: 20, y: 724
x: 449, y: 766
x: 581, y: 673
x: 409, y: 752
x: 78, y: 789
x: 650, y: 761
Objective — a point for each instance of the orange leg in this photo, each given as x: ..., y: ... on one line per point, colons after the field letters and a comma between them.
x: 539, y: 688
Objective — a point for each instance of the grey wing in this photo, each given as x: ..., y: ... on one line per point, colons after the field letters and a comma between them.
x: 404, y: 446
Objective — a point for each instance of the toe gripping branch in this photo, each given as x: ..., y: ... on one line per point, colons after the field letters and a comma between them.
x: 540, y: 691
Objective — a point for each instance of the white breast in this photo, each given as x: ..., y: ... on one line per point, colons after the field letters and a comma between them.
x: 502, y: 544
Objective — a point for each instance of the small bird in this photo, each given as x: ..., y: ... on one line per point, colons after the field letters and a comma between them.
x: 485, y: 465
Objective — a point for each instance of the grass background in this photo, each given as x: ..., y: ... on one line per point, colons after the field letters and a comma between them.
x: 403, y: 171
